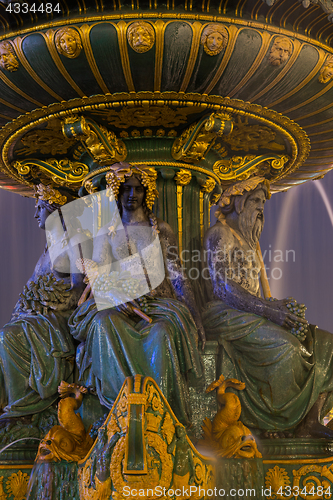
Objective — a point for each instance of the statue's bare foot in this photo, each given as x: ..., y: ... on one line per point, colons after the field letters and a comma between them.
x: 313, y: 430
x: 276, y: 435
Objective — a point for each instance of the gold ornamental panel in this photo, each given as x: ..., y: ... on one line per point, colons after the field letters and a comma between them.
x: 253, y: 124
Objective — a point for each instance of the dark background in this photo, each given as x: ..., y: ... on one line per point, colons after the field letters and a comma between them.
x: 296, y: 220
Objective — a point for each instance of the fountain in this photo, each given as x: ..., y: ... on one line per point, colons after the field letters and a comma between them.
x: 207, y: 93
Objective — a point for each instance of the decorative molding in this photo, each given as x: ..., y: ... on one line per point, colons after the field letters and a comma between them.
x: 102, y: 144
x: 291, y: 133
x: 326, y: 5
x: 199, y: 138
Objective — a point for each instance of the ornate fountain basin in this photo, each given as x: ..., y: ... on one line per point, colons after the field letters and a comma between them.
x: 148, y: 72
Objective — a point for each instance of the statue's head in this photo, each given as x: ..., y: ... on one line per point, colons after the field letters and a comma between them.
x: 214, y: 39
x: 68, y: 42
x: 245, y: 201
x: 8, y: 59
x: 281, y: 51
x: 132, y: 185
x: 326, y: 73
x: 47, y: 201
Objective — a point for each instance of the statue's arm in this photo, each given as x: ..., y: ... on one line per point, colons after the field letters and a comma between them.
x: 218, y: 245
x: 78, y: 248
x: 179, y: 281
x: 102, y: 253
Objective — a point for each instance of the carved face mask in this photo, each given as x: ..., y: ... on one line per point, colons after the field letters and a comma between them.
x: 238, y: 442
x: 57, y: 445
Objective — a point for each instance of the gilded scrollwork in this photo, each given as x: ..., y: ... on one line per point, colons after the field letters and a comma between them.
x: 163, y: 463
x: 168, y: 428
x: 154, y: 400
x: 100, y: 490
x: 101, y: 143
x: 147, y: 116
x: 62, y: 172
x: 165, y: 444
x: 68, y: 42
x: 8, y: 59
x: 281, y: 51
x: 309, y: 481
x: 196, y: 140
x: 214, y: 38
x: 45, y: 142
x: 246, y: 137
x: 141, y: 36
x: 242, y: 167
x: 291, y: 132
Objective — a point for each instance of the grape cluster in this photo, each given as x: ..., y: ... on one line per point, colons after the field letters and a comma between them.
x: 43, y: 294
x: 301, y: 329
x: 143, y: 303
x: 131, y: 287
x: 121, y: 282
x: 294, y: 307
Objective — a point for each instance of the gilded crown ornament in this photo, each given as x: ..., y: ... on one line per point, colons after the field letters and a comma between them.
x: 47, y: 193
x: 120, y: 171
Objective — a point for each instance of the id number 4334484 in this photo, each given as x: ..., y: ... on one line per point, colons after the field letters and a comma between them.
x: 25, y: 8
x: 307, y: 491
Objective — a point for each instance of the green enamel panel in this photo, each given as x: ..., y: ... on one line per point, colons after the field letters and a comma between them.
x: 149, y: 149
x: 205, y: 68
x: 177, y: 46
x: 166, y: 204
x: 304, y: 64
x: 191, y: 222
x: 79, y: 69
x: 25, y: 82
x: 11, y: 96
x: 142, y: 68
x: 39, y: 58
x: 315, y: 105
x: 135, y: 440
x: 264, y: 75
x: 238, y: 65
x: 105, y: 46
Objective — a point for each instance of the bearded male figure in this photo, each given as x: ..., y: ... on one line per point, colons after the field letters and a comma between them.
x: 289, y: 382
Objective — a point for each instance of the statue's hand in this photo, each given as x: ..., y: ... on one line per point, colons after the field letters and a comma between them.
x: 278, y: 312
x: 202, y: 337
